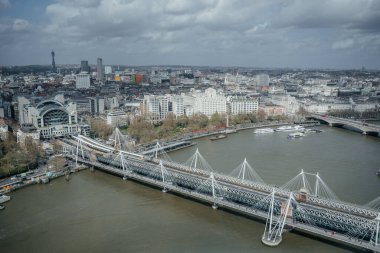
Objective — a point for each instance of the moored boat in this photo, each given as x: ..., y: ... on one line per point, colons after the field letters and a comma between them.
x: 296, y: 135
x: 290, y: 128
x: 264, y: 130
x: 284, y: 129
x: 217, y: 137
x: 4, y: 198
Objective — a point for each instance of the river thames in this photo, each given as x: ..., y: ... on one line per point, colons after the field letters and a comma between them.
x: 97, y: 212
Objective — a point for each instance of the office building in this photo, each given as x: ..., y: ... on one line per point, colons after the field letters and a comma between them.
x: 209, y: 102
x: 155, y: 107
x: 82, y: 81
x: 84, y: 67
x: 242, y: 105
x: 117, y: 118
x: 99, y: 70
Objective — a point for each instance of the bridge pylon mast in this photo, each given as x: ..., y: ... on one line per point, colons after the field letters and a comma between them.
x: 270, y: 217
x: 273, y: 236
x: 316, y: 184
x: 244, y: 168
x: 123, y: 165
x: 163, y: 177
x: 157, y: 147
x: 303, y: 178
x: 196, y: 158
x: 214, y: 206
x: 377, y: 219
x: 79, y: 143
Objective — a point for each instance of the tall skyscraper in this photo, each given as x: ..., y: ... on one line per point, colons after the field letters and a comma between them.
x: 84, y: 66
x: 53, y: 68
x: 99, y: 69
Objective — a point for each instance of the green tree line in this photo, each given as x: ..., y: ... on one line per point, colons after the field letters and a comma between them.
x: 16, y: 158
x: 144, y: 131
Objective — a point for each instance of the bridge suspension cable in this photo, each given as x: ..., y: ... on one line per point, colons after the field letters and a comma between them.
x: 301, y: 183
x: 79, y: 143
x: 197, y: 161
x: 211, y: 187
x: 374, y: 204
x: 118, y: 139
x: 160, y: 153
x: 164, y: 177
x: 120, y: 162
x: 245, y: 172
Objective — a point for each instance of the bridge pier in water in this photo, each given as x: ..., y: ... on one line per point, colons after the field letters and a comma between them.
x: 273, y: 229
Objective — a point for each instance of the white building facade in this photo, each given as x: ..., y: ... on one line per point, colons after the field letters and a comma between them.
x: 82, y: 81
x: 156, y: 108
x: 27, y: 130
x: 117, y: 118
x: 242, y: 105
x: 177, y: 106
x: 210, y: 102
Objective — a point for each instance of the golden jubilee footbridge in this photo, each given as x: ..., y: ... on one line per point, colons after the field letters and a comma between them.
x: 305, y: 203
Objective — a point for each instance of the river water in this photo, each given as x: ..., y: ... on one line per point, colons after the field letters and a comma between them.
x: 97, y: 212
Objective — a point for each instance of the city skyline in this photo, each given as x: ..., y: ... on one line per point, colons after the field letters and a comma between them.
x: 268, y: 34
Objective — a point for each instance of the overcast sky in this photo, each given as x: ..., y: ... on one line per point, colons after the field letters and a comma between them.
x: 267, y: 33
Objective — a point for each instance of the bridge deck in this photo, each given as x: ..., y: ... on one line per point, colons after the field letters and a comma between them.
x: 362, y: 126
x: 250, y: 211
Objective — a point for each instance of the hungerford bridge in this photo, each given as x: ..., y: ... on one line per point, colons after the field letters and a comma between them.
x: 305, y: 203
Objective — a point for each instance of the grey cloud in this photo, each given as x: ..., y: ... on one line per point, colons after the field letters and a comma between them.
x: 81, y: 3
x: 343, y: 44
x: 4, y: 4
x: 14, y: 26
x: 206, y: 32
x: 349, y: 14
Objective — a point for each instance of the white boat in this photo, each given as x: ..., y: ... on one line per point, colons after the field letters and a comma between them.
x: 296, y: 135
x: 290, y: 128
x: 285, y: 129
x: 4, y: 198
x: 298, y: 128
x: 264, y: 130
